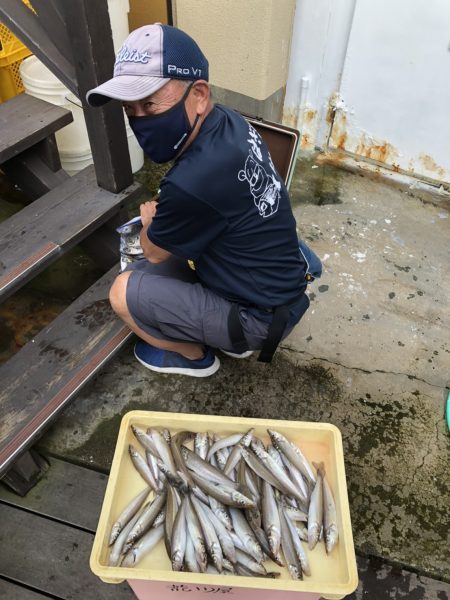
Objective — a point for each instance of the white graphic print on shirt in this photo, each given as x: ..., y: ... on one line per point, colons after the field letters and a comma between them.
x: 265, y: 187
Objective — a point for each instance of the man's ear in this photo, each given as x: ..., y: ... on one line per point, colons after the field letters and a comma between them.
x: 202, y: 95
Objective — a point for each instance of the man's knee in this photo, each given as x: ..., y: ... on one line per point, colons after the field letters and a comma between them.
x: 118, y: 294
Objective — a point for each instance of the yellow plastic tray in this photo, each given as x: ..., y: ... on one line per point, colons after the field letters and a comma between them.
x: 333, y: 576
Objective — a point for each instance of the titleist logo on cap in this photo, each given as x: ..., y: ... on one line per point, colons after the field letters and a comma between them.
x: 134, y: 56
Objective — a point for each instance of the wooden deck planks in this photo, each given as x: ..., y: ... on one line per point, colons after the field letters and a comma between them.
x: 25, y: 120
x: 61, y: 358
x: 49, y: 497
x: 42, y: 231
x: 51, y: 557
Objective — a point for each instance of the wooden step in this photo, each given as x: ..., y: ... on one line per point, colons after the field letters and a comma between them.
x: 51, y: 558
x: 25, y: 121
x: 62, y: 481
x: 36, y: 170
x: 42, y: 231
x: 39, y: 381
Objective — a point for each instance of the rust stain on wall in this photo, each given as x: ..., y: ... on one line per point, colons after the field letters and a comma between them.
x: 310, y: 115
x: 339, y: 133
x: 331, y: 112
x: 431, y: 165
x: 290, y: 117
x: 341, y: 141
x: 382, y: 152
x: 306, y: 141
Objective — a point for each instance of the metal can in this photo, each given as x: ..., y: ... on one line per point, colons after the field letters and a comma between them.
x: 130, y: 245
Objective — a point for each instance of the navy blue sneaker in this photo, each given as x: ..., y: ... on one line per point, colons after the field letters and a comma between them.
x: 165, y: 361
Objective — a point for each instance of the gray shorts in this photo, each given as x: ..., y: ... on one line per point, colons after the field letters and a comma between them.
x: 167, y: 301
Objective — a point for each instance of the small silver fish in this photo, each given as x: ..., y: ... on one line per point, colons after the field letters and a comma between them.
x: 276, y: 455
x: 175, y: 447
x: 190, y: 561
x: 178, y: 541
x: 246, y: 535
x: 143, y: 547
x: 201, y: 444
x: 271, y: 518
x: 220, y: 511
x: 228, y: 566
x: 218, y: 444
x: 221, y: 457
x: 250, y: 563
x: 159, y: 519
x: 167, y: 436
x: 174, y: 479
x: 315, y: 513
x: 223, y: 535
x: 297, y: 479
x: 284, y: 483
x: 171, y: 511
x: 163, y: 448
x: 152, y: 462
x: 128, y: 513
x: 293, y: 453
x: 258, y: 468
x: 226, y: 495
x: 252, y: 484
x: 196, y: 535
x: 330, y: 527
x: 298, y: 546
x: 287, y: 544
x: 302, y: 533
x: 142, y: 468
x: 205, y: 469
x: 295, y: 514
x: 236, y: 453
x: 145, y: 440
x: 118, y: 546
x: 210, y: 535
x: 148, y: 516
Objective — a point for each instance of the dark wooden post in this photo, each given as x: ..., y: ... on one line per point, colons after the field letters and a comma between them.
x: 89, y: 30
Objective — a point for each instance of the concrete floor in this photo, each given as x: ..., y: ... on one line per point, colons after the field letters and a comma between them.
x: 371, y: 356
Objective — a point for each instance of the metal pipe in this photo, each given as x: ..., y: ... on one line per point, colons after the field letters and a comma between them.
x: 304, y: 89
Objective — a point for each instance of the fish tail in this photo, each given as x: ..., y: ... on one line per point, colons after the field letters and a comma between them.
x: 320, y: 468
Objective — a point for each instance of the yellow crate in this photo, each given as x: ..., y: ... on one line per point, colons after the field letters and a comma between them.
x: 10, y: 80
x: 9, y: 43
x: 333, y: 576
x: 12, y: 53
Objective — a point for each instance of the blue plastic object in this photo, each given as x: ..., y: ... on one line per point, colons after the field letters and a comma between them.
x: 313, y: 262
x: 447, y: 410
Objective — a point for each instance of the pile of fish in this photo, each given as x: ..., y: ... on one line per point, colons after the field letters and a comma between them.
x: 226, y: 505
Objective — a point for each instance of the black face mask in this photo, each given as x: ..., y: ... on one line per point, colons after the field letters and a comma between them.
x: 163, y: 136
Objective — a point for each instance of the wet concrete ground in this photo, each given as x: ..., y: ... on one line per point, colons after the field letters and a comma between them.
x: 371, y: 356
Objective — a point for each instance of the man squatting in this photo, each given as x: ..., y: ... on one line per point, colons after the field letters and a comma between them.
x: 223, y: 209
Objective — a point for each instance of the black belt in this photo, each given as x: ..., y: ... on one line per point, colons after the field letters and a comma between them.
x: 275, y: 332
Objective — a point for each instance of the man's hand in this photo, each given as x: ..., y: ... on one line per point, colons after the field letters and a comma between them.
x: 152, y: 253
x: 148, y: 211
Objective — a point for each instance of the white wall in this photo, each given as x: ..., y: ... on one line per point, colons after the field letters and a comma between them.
x: 385, y: 65
x: 319, y: 45
x: 396, y: 86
